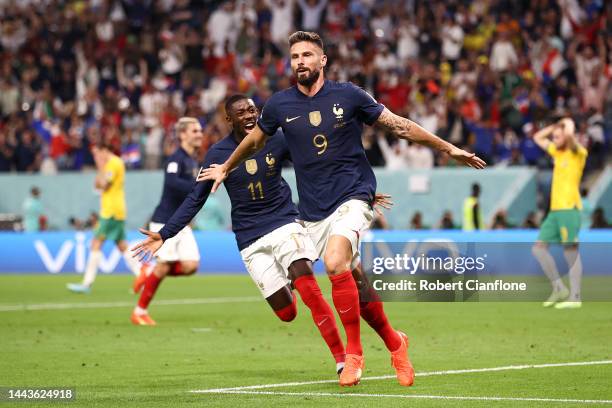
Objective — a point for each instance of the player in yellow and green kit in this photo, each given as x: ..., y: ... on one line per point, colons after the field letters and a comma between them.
x: 110, y: 180
x: 562, y: 223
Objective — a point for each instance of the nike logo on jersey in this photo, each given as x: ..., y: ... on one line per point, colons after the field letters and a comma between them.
x: 344, y: 311
x: 322, y: 321
x: 291, y: 119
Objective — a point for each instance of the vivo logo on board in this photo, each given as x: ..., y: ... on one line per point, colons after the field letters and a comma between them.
x: 79, y: 247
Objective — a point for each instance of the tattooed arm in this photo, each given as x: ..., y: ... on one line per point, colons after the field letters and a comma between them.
x: 407, y: 129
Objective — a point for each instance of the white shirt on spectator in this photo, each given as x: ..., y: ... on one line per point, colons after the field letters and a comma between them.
x: 105, y: 31
x: 462, y: 82
x: 311, y: 15
x: 385, y: 61
x: 16, y: 39
x: 395, y: 156
x: 282, y: 20
x: 221, y: 28
x: 244, y: 11
x: 382, y: 25
x: 9, y: 99
x: 407, y: 44
x: 576, y: 14
x: 428, y: 121
x: 585, y: 69
x: 171, y: 58
x: 594, y: 95
x: 419, y: 157
x: 153, y: 143
x: 452, y: 41
x: 595, y: 128
x: 151, y: 104
x: 503, y: 56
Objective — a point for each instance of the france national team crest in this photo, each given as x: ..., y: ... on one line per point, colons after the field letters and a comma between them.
x: 251, y: 166
x: 315, y: 118
x: 338, y: 111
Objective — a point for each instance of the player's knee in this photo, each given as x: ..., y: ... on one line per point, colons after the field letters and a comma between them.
x: 336, y: 263
x: 287, y: 313
x: 189, y: 268
x: 298, y: 268
x: 96, y: 244
x: 538, y: 248
x: 570, y: 247
x: 162, y: 269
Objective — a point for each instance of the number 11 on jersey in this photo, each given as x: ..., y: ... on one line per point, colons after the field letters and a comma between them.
x: 253, y: 187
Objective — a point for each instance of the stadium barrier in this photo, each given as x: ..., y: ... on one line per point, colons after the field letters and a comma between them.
x: 432, y: 192
x: 67, y: 252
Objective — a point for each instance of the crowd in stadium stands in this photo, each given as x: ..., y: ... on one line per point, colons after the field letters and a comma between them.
x: 484, y: 74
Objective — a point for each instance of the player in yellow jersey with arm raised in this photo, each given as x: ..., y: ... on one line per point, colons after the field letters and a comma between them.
x: 110, y: 180
x: 562, y: 223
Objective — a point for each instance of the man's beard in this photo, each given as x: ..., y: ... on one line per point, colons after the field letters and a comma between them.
x: 309, y: 80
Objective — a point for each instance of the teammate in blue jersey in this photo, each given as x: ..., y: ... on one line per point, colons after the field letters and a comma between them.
x: 322, y: 121
x: 276, y: 249
x: 179, y: 256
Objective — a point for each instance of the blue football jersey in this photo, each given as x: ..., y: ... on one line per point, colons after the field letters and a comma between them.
x: 260, y: 197
x: 323, y: 133
x: 179, y: 178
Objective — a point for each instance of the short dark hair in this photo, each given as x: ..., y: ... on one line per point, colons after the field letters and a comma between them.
x: 308, y: 36
x: 475, y: 189
x: 230, y: 101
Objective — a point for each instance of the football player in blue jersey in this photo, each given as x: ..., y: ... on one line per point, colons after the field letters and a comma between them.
x: 322, y: 121
x: 276, y: 250
x: 179, y: 256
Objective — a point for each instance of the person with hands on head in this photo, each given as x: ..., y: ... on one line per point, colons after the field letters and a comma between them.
x: 562, y: 223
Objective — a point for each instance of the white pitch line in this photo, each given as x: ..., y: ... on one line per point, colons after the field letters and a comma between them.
x: 201, y: 329
x: 105, y: 305
x: 423, y: 374
x: 419, y: 396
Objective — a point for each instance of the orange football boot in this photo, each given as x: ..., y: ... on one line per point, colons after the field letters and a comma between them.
x: 142, y: 320
x: 353, y: 368
x: 401, y: 363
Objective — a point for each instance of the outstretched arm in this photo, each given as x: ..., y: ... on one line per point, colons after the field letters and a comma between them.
x: 407, y: 129
x: 251, y: 144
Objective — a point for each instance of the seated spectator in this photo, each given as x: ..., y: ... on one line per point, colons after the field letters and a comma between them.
x: 447, y: 222
x: 500, y: 221
x: 530, y: 221
x: 416, y: 223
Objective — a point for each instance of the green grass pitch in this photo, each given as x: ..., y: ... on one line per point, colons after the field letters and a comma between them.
x: 238, y: 342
